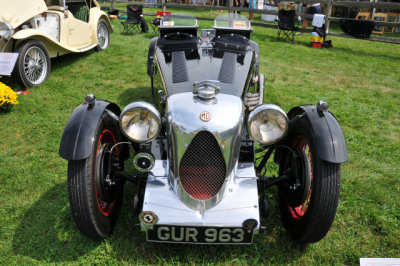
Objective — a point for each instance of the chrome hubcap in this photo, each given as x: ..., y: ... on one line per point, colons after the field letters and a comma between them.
x: 35, y: 65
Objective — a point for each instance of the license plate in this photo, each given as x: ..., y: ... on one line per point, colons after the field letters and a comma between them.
x: 199, y: 235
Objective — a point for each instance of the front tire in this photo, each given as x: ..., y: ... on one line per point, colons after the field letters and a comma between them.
x: 309, y: 202
x: 33, y: 64
x: 94, y: 201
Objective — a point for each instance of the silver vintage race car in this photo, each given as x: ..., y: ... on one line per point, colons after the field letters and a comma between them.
x: 200, y: 150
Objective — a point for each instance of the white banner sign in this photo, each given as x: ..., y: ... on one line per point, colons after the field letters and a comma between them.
x: 7, y: 62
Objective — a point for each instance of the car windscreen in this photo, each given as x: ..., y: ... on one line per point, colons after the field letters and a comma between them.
x: 178, y: 20
x: 232, y: 21
x: 178, y: 23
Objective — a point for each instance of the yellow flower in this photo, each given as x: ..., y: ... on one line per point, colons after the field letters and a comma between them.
x: 7, y: 95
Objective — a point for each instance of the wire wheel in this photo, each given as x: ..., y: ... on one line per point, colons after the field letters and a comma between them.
x: 103, y: 35
x: 33, y: 64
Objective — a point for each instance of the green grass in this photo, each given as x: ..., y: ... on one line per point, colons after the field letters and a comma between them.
x: 359, y: 79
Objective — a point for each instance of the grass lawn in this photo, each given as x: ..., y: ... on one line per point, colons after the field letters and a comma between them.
x: 359, y: 79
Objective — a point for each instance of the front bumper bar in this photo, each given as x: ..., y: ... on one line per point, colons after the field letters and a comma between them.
x: 239, y: 204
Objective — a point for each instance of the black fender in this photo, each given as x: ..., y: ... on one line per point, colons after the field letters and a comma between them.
x: 327, y: 133
x: 78, y: 138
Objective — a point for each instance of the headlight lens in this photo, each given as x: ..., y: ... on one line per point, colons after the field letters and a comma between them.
x: 140, y: 122
x: 267, y: 124
x: 6, y: 30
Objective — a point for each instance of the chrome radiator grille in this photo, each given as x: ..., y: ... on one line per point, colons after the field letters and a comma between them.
x: 202, y: 169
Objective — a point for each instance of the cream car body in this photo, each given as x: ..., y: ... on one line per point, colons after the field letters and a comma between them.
x: 62, y: 27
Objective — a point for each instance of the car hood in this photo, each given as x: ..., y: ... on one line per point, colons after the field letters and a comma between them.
x: 16, y: 12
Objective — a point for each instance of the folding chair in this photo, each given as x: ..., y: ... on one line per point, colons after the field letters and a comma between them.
x: 287, y: 25
x: 134, y: 20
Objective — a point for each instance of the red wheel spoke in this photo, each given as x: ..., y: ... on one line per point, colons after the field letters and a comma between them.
x: 105, y: 207
x: 300, y: 211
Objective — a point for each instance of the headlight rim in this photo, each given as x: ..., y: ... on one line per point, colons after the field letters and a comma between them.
x: 9, y: 28
x: 144, y: 105
x: 259, y: 109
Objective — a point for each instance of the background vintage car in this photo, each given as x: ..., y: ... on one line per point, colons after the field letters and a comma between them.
x: 39, y: 30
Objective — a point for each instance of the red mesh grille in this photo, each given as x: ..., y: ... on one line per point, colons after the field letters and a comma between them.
x: 202, y: 168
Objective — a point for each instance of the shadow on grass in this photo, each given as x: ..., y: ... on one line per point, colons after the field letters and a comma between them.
x: 47, y: 231
x: 355, y: 51
x: 136, y: 94
x: 68, y: 59
x: 11, y: 82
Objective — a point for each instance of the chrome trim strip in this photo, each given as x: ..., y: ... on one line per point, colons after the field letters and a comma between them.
x: 201, y: 243
x: 86, y: 47
x: 156, y: 59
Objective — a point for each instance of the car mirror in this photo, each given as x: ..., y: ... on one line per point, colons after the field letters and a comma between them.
x: 65, y: 9
x: 66, y: 13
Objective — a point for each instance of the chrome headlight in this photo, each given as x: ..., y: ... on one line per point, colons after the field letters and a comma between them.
x: 6, y: 30
x: 140, y: 122
x: 267, y: 124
